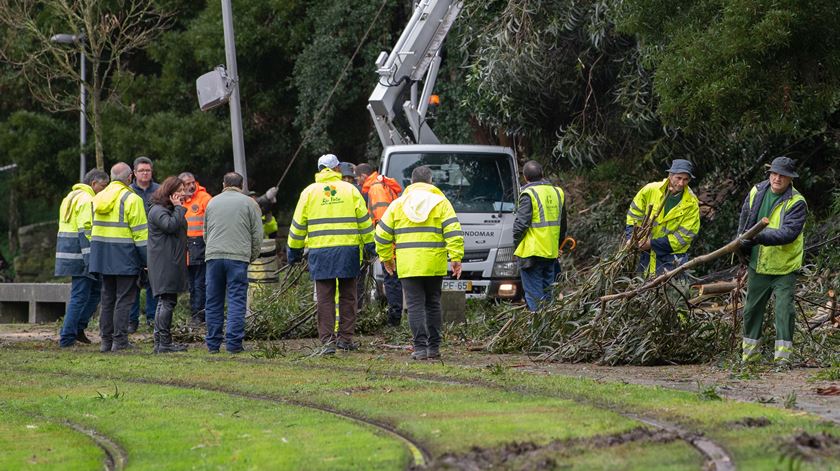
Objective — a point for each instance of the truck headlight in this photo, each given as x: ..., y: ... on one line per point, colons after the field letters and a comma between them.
x: 506, y: 265
x: 506, y: 269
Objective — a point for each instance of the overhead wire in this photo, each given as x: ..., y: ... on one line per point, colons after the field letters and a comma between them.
x: 307, y: 135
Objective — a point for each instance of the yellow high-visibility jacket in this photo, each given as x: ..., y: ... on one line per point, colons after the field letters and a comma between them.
x: 421, y: 229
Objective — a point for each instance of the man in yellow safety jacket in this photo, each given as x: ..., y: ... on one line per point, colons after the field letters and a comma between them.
x: 118, y: 253
x: 676, y: 219
x: 72, y: 256
x: 331, y: 220
x: 421, y: 230
x: 538, y: 229
x: 775, y: 255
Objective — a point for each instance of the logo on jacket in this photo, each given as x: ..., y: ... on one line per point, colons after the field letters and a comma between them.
x: 330, y: 190
x: 194, y: 207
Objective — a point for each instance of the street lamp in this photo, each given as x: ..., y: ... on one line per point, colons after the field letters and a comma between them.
x: 79, y: 39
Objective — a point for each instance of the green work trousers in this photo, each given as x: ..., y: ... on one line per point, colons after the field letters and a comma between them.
x: 759, y: 289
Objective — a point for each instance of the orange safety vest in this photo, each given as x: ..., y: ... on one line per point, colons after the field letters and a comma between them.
x: 380, y: 192
x: 196, y: 206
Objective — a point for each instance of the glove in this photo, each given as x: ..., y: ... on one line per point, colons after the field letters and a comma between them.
x: 370, y: 251
x: 271, y: 194
x: 294, y: 256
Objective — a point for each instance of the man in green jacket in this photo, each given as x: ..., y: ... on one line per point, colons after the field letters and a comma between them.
x: 775, y: 255
x: 233, y: 232
x: 421, y: 229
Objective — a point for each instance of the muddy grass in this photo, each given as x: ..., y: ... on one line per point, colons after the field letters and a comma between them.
x: 531, y: 456
x: 766, y: 387
x: 808, y: 447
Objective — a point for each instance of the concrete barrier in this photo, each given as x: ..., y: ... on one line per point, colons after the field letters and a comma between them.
x: 33, y: 302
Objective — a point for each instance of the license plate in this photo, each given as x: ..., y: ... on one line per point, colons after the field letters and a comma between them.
x: 457, y: 285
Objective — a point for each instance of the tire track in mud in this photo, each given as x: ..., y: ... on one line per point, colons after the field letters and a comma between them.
x: 716, y: 456
x: 420, y: 455
x: 116, y: 457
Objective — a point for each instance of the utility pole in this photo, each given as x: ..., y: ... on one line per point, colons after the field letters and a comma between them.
x: 235, y: 110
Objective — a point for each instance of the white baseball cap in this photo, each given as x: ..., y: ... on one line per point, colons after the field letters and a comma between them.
x: 327, y: 161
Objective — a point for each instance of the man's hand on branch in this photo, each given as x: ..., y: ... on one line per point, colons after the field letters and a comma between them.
x: 644, y: 245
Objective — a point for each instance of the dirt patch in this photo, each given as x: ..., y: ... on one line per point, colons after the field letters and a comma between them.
x: 531, y: 456
x: 808, y: 447
x: 752, y: 422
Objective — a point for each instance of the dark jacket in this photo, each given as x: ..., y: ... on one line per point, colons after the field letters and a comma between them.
x: 167, y: 249
x: 793, y: 221
x: 524, y: 214
x: 146, y: 194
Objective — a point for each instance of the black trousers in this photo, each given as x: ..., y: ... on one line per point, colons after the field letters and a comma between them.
x: 118, y: 295
x: 422, y: 295
x: 163, y: 318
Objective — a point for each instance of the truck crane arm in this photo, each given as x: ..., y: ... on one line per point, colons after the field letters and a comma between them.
x: 415, y: 58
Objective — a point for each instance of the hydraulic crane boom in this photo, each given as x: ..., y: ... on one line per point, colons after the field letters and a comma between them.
x: 415, y: 57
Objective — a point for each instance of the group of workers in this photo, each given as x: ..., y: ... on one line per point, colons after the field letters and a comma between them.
x: 123, y: 232
x: 352, y: 214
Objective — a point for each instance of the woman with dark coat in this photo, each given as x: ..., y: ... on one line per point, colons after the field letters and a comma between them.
x: 167, y: 258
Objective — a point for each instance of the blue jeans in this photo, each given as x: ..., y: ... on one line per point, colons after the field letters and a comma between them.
x: 198, y: 287
x: 226, y: 278
x: 84, y: 297
x: 537, y: 280
x: 151, y: 306
x: 394, y: 295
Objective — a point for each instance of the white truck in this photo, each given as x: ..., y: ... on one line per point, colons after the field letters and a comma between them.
x: 480, y: 181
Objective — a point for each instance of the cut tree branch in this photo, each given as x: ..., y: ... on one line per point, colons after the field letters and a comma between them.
x: 726, y: 249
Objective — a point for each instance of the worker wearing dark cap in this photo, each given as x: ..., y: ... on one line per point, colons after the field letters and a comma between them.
x: 676, y: 214
x: 775, y: 255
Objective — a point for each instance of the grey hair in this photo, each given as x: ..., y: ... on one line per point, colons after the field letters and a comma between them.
x: 421, y: 174
x: 532, y: 170
x: 95, y: 175
x: 184, y: 175
x: 121, y: 172
x: 232, y: 179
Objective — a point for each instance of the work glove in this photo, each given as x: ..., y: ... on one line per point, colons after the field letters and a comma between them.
x: 745, y: 247
x: 271, y: 194
x: 370, y: 251
x: 294, y: 256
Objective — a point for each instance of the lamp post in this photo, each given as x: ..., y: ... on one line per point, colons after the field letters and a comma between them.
x: 235, y: 109
x: 79, y: 39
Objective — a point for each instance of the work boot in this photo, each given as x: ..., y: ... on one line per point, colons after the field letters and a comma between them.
x: 81, y: 337
x: 157, y: 342
x: 394, y: 322
x: 420, y: 354
x: 132, y: 326
x: 197, y: 318
x: 347, y: 345
x: 105, y: 347
x: 328, y: 349
x: 117, y: 347
x: 171, y: 348
x: 433, y: 353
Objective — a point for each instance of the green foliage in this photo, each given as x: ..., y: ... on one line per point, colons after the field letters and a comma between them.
x: 829, y: 374
x: 708, y: 392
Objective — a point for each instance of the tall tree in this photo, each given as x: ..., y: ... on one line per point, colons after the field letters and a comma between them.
x: 105, y: 32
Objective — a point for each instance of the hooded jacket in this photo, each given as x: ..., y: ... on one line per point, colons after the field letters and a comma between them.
x: 72, y: 246
x: 119, y: 232
x: 379, y: 191
x: 421, y: 229
x: 196, y: 207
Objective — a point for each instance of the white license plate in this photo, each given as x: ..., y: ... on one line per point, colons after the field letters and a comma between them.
x: 457, y: 285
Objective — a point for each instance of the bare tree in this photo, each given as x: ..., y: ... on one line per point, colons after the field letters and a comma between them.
x: 109, y: 30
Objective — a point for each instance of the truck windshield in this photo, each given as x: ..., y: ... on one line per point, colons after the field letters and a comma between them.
x: 473, y: 182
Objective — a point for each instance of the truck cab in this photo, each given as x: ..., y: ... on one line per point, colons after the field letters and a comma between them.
x: 481, y: 183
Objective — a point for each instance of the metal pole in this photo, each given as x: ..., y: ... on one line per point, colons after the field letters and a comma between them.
x: 82, y: 117
x: 235, y: 109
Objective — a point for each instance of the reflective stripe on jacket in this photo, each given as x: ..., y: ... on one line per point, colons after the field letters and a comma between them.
x: 380, y: 192
x: 422, y: 226
x: 72, y: 246
x: 196, y: 207
x: 672, y: 233
x: 542, y: 238
x: 330, y: 213
x: 781, y: 243
x: 119, y: 233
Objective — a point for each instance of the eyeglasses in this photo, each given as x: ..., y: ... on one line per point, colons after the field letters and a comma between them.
x: 142, y: 171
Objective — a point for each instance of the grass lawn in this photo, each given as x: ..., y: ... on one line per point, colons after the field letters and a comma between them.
x: 189, y: 411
